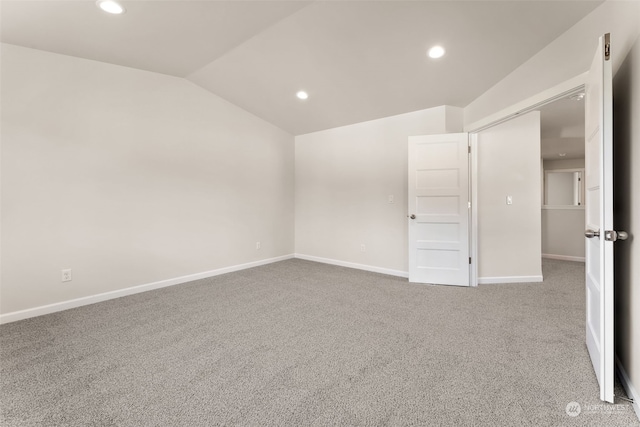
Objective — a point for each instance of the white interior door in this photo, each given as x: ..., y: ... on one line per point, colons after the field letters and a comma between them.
x: 599, y: 217
x: 439, y: 209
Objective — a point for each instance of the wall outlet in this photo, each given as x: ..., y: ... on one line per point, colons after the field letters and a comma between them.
x: 258, y: 245
x: 363, y: 248
x: 509, y: 200
x: 391, y: 199
x: 66, y: 275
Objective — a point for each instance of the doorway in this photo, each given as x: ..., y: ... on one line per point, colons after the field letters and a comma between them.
x: 534, y: 104
x: 562, y: 178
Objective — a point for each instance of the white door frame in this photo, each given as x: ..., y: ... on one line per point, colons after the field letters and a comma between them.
x: 563, y: 90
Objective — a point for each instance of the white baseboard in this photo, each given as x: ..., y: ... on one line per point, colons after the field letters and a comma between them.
x: 628, y: 387
x: 509, y: 279
x: 564, y: 257
x: 365, y: 267
x: 92, y: 299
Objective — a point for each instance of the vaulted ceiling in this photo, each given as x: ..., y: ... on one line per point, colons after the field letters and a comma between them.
x: 358, y: 60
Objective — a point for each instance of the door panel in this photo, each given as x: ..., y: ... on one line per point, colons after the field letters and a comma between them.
x: 438, y: 198
x: 599, y: 218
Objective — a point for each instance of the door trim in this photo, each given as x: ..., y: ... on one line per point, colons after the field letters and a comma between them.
x: 545, y: 97
x: 473, y: 215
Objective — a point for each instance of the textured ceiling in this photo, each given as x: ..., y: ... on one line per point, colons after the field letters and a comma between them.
x: 358, y: 60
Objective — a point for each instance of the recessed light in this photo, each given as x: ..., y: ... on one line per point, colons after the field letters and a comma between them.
x: 110, y: 6
x: 302, y: 95
x: 436, y: 52
x: 577, y: 96
x: 562, y: 154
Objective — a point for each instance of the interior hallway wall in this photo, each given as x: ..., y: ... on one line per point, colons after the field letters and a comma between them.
x: 509, y: 244
x: 129, y: 177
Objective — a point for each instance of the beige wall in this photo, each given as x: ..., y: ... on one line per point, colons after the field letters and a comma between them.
x: 626, y: 134
x: 129, y: 177
x: 509, y: 246
x: 344, y: 177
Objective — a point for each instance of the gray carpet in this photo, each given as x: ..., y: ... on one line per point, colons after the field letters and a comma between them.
x: 304, y: 344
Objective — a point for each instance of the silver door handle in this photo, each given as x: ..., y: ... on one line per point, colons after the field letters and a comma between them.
x: 614, y: 236
x: 412, y: 216
x: 589, y: 234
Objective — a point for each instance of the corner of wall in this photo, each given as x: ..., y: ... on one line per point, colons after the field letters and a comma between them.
x: 454, y: 119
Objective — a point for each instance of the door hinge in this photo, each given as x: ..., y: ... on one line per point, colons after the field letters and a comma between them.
x: 469, y: 260
x: 469, y: 149
x: 607, y: 47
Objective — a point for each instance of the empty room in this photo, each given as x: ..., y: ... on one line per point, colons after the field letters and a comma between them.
x: 319, y: 213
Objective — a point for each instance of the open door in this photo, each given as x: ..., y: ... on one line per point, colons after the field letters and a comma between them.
x: 600, y: 235
x: 439, y: 209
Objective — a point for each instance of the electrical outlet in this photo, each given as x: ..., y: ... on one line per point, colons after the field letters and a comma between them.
x: 258, y: 245
x: 66, y: 275
x: 363, y: 248
x: 509, y: 200
x: 391, y: 198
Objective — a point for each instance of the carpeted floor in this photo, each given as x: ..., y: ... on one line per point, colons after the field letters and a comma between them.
x: 305, y: 344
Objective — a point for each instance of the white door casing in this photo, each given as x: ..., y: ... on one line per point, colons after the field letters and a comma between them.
x: 438, y: 190
x: 599, y: 217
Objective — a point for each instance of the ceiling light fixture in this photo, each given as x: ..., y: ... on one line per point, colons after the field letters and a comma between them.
x: 110, y: 6
x: 302, y: 95
x: 562, y: 154
x: 577, y: 96
x: 436, y: 52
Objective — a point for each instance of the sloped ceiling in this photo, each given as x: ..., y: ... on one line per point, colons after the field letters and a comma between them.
x: 358, y: 60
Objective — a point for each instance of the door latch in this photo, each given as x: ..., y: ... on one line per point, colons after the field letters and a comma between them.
x: 613, y: 236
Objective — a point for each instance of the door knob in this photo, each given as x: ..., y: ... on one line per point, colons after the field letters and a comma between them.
x: 412, y: 216
x: 614, y: 236
x: 589, y: 234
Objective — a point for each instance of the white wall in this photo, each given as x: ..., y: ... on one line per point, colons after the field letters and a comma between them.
x: 508, y: 164
x: 344, y: 177
x: 563, y: 164
x: 566, y: 57
x: 129, y: 177
x: 626, y: 135
x: 563, y: 227
x: 563, y: 233
x: 560, y: 188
